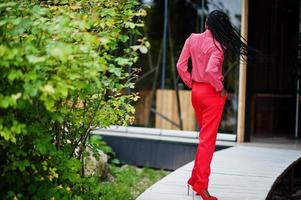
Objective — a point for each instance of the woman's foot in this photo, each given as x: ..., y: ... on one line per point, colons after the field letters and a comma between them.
x: 203, y: 192
x: 205, y: 195
x: 190, y: 182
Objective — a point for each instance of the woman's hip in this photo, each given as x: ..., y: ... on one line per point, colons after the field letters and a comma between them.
x: 204, y: 88
x: 204, y: 93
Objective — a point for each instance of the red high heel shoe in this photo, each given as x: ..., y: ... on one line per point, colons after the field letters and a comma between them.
x: 190, y: 183
x: 188, y: 188
x: 204, y: 194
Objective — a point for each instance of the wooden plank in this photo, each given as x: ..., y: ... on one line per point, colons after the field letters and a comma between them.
x: 142, y: 107
x: 158, y: 109
x: 188, y: 115
x: 166, y: 104
x: 239, y: 172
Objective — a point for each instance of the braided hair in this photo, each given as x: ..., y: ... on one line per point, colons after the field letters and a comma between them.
x: 222, y: 30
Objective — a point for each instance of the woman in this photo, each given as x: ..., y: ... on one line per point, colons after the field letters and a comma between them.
x: 208, y: 95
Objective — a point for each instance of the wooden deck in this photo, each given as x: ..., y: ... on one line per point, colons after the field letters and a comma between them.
x: 242, y: 172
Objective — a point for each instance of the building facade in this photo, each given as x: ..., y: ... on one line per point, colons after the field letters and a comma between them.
x: 264, y: 96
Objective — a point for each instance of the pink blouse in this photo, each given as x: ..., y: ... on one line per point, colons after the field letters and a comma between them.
x: 207, y: 59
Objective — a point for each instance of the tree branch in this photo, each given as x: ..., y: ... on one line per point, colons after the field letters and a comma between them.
x: 89, y: 128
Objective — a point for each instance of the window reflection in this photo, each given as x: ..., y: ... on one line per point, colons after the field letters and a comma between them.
x: 184, y: 18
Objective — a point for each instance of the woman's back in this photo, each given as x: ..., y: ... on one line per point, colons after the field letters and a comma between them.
x: 207, y: 59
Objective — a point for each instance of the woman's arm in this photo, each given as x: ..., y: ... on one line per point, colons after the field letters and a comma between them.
x: 212, y: 69
x: 182, y: 64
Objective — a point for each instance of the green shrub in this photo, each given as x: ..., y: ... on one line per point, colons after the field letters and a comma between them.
x: 63, y: 71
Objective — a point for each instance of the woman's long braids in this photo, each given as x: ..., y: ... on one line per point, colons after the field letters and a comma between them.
x: 222, y: 30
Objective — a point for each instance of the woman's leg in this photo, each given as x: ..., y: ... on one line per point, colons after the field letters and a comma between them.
x: 212, y: 109
x: 198, y: 113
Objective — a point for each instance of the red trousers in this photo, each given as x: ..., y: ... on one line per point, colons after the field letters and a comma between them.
x: 208, y: 105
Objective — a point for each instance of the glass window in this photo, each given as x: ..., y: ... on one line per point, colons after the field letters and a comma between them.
x: 184, y: 18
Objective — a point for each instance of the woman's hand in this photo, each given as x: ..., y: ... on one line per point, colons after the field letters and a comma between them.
x: 224, y: 93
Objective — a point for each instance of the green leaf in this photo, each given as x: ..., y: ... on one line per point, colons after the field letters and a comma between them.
x: 60, y: 51
x: 4, y: 103
x: 35, y: 59
x: 7, y: 135
x: 44, y: 145
x: 31, y: 90
x: 143, y: 49
x: 21, y: 164
x: 115, y: 70
x: 124, y: 38
x: 14, y: 74
x: 129, y: 25
x: 115, y: 161
x: 123, y: 61
x: 7, y: 5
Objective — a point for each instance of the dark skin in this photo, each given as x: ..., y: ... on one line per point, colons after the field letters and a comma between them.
x: 224, y: 92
